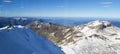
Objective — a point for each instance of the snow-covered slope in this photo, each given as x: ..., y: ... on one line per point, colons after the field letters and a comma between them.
x: 97, y: 37
x: 21, y: 40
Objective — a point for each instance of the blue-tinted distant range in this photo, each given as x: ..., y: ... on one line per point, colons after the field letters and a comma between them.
x: 60, y: 8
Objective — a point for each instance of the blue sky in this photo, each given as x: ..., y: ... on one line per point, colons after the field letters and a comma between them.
x: 60, y: 8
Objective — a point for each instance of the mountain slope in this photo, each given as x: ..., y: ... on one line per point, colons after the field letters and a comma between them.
x: 96, y: 37
x: 51, y: 31
x: 20, y: 40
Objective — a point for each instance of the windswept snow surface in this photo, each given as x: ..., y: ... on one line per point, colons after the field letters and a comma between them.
x: 20, y: 40
x: 99, y: 37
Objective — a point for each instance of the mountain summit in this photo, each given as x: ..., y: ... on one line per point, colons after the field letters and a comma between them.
x: 97, y: 37
x: 98, y: 24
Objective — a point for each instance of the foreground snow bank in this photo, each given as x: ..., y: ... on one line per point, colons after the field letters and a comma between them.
x: 20, y: 40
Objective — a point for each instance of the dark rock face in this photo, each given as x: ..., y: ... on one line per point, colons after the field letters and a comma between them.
x: 98, y: 36
x: 53, y: 32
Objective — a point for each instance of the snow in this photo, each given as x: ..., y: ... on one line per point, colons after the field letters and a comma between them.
x: 6, y: 27
x: 88, y: 31
x: 68, y: 50
x: 96, y: 23
x: 24, y: 18
x: 91, y: 46
x: 94, y: 41
x: 20, y: 18
x: 106, y: 23
x: 16, y: 18
x: 19, y: 40
x: 19, y: 26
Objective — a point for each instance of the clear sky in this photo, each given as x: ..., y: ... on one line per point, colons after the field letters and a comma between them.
x: 60, y: 8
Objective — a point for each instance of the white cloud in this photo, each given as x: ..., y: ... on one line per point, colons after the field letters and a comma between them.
x: 106, y: 2
x: 8, y: 1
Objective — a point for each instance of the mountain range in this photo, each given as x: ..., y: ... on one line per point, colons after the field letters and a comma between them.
x: 96, y: 37
x: 46, y: 36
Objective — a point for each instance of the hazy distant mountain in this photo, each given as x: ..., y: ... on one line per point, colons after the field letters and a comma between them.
x: 21, y: 40
x: 15, y: 21
x: 74, y: 21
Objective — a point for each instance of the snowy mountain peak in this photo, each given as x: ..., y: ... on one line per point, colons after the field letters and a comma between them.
x: 19, y: 26
x: 94, y: 25
x: 99, y: 37
x: 10, y: 27
x: 99, y: 24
